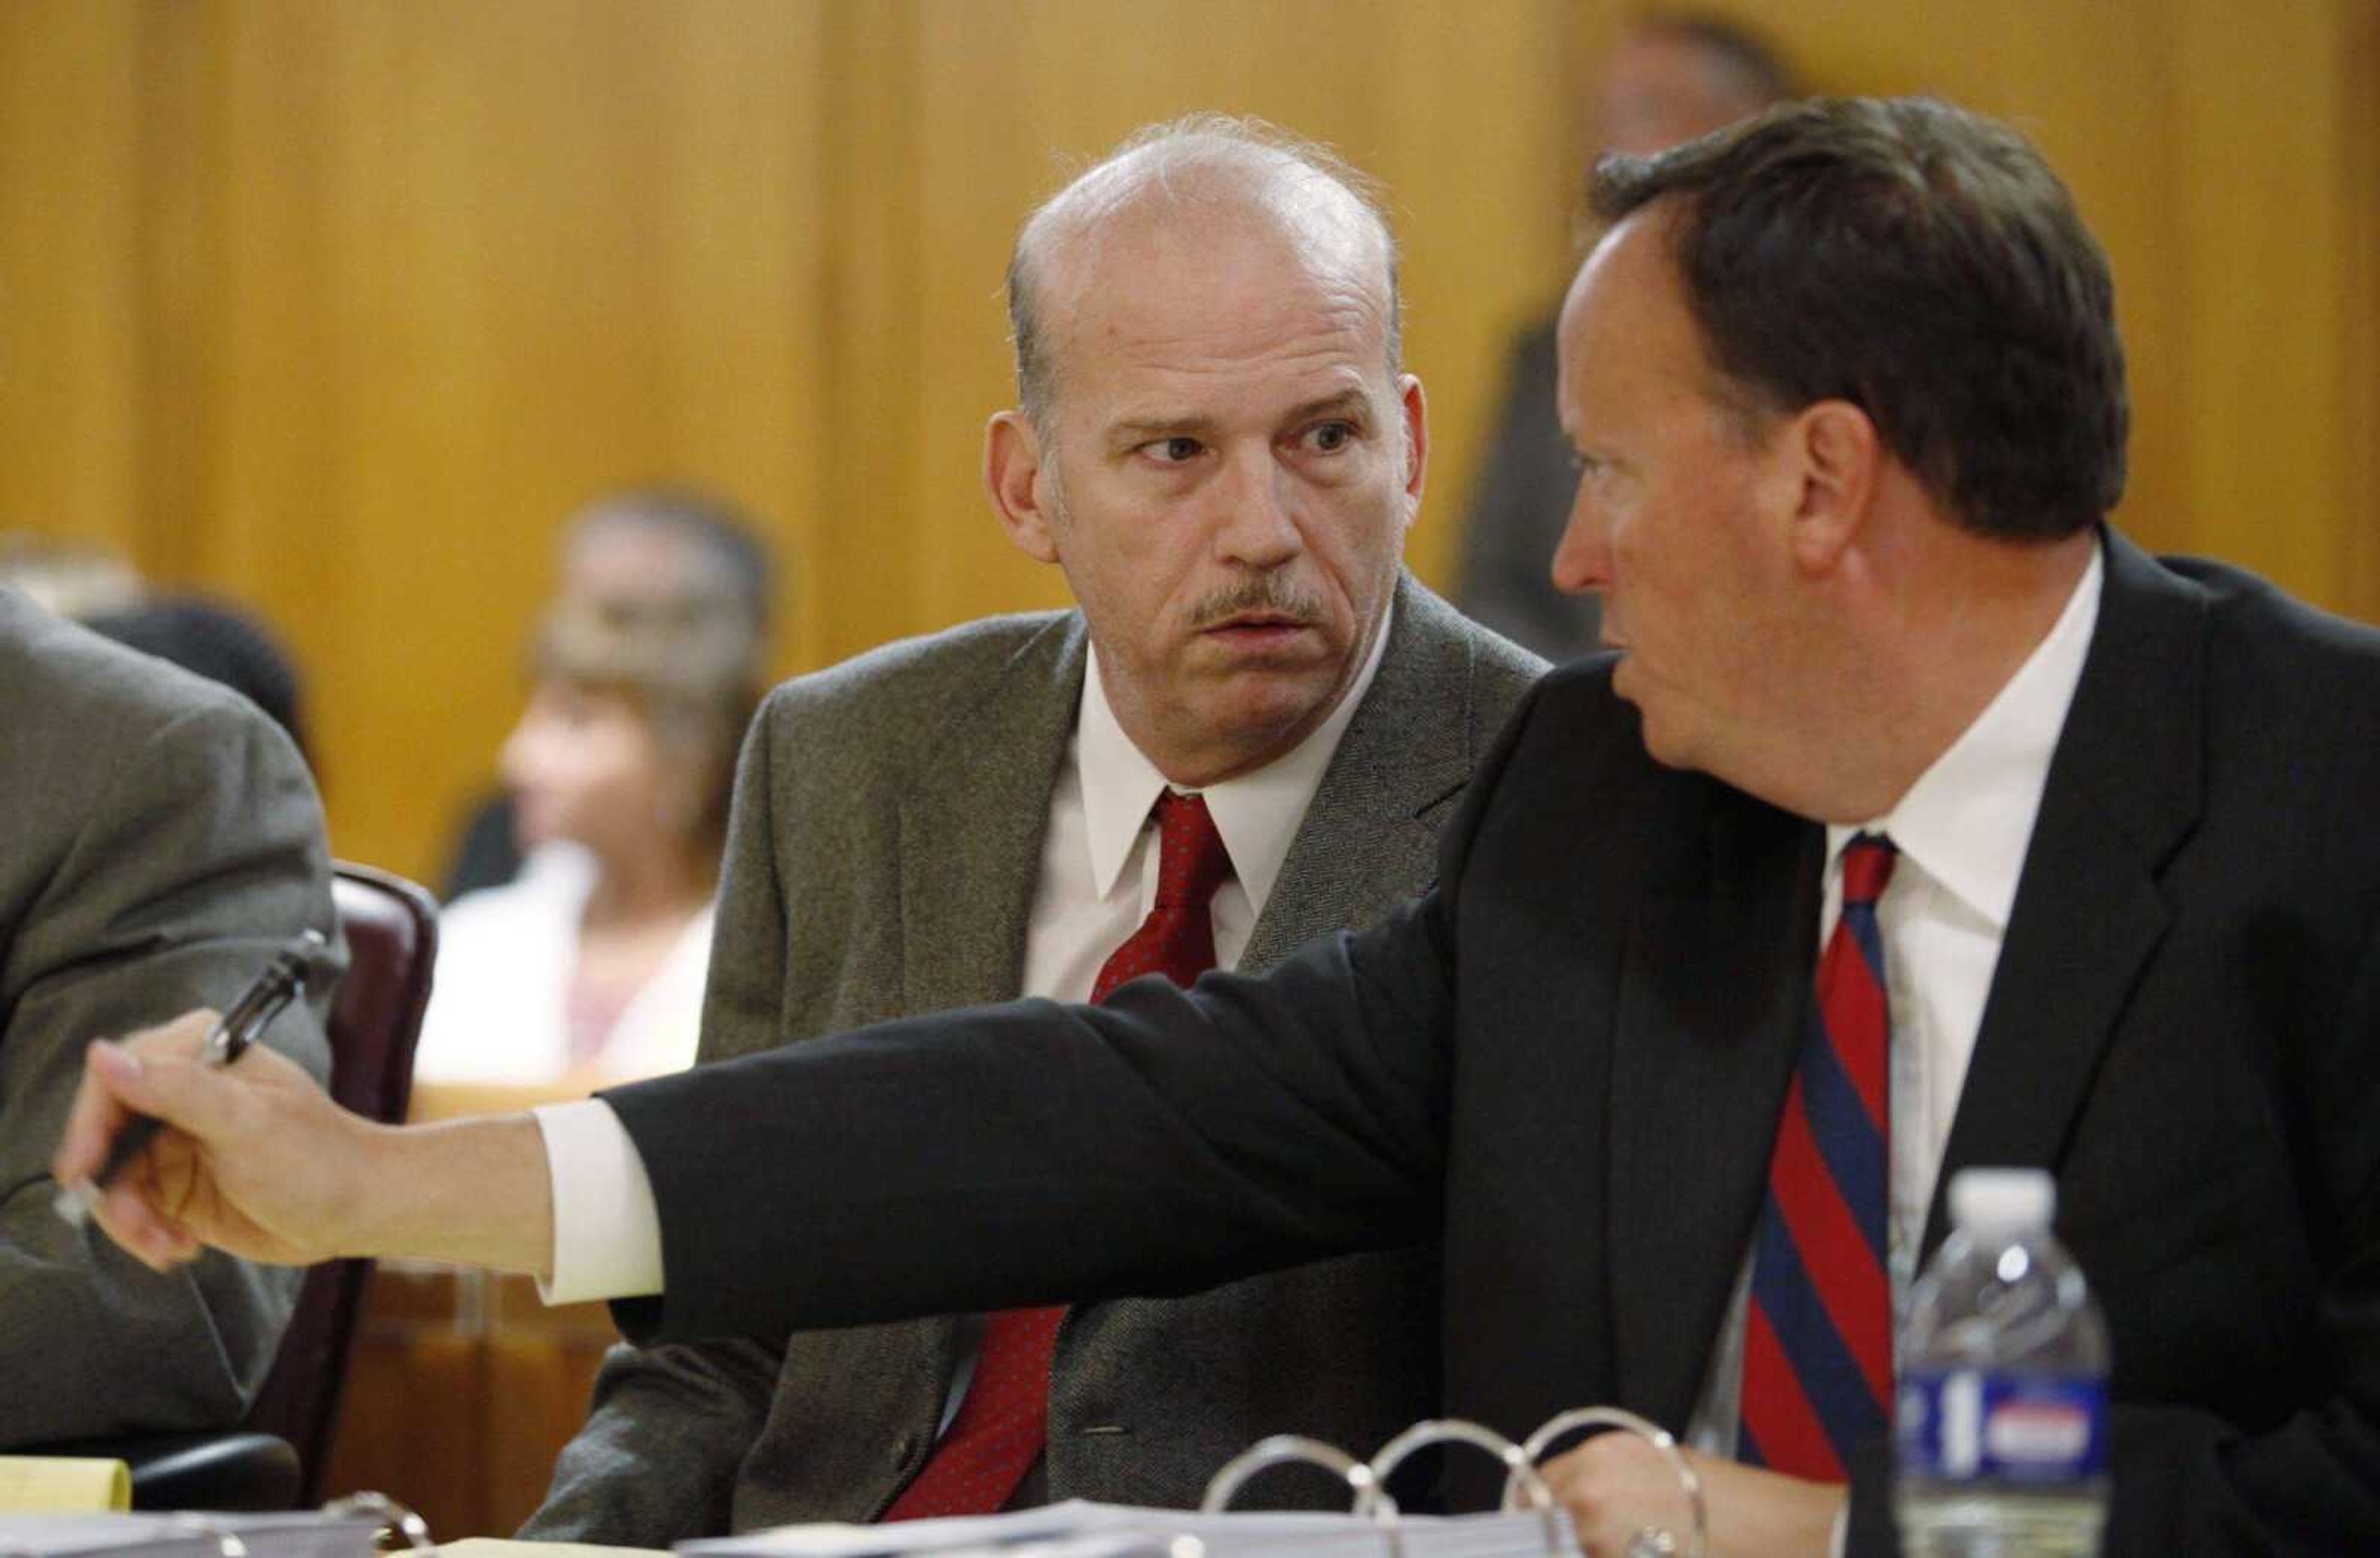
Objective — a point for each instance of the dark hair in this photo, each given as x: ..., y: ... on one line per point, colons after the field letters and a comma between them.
x: 1921, y: 262
x: 219, y: 642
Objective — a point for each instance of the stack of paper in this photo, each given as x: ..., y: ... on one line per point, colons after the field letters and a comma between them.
x: 188, y: 1536
x: 1079, y: 1530
x: 60, y: 1484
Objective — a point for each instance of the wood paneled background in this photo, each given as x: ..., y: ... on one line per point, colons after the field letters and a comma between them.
x: 338, y: 308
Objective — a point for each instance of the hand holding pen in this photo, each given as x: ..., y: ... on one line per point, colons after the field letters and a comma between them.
x: 281, y: 981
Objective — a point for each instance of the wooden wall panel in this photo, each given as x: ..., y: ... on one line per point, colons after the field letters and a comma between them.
x: 71, y: 407
x: 2263, y: 166
x: 2357, y: 72
x: 340, y: 309
x: 480, y: 264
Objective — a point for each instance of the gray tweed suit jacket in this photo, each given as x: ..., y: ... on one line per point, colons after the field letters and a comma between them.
x: 159, y: 839
x: 888, y: 822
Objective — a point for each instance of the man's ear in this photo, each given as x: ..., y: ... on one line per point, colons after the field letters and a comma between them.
x: 1414, y: 408
x: 1831, y: 454
x: 1013, y: 475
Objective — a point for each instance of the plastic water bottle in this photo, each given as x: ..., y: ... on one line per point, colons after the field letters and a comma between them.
x: 2002, y: 1416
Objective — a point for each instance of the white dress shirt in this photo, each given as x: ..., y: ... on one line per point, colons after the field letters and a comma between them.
x: 1962, y: 830
x: 1097, y: 882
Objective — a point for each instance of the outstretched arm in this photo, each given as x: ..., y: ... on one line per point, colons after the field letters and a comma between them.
x: 257, y: 1161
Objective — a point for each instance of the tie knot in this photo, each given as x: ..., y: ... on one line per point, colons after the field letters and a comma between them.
x: 1867, y: 866
x: 1191, y: 860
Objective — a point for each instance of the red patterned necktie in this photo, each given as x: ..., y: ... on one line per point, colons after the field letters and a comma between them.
x: 1002, y: 1424
x: 1818, y: 1345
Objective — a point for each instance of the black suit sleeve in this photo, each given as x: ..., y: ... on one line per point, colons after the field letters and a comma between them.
x: 1163, y: 1143
x: 2187, y: 1481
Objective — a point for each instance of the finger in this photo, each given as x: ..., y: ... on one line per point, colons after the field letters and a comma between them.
x: 163, y: 1080
x: 128, y: 1218
x: 99, y: 1111
x: 97, y: 1115
x: 184, y: 1035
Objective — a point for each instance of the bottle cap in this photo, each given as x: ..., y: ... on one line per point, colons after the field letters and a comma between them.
x: 2003, y: 1198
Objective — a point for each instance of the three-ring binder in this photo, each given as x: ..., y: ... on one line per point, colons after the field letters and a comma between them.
x: 1523, y: 1487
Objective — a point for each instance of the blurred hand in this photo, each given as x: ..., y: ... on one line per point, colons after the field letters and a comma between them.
x: 254, y: 1159
x: 1618, y: 1488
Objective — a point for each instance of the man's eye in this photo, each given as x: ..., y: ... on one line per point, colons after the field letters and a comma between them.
x: 1329, y: 438
x: 1177, y: 450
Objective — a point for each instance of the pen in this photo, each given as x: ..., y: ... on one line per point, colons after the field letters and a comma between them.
x: 281, y: 981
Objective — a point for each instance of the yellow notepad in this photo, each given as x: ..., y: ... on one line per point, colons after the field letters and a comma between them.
x: 55, y: 1484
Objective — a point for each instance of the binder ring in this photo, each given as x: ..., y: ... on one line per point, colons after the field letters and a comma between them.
x: 1370, y: 1497
x: 1520, y: 1472
x: 1653, y: 1433
x: 192, y: 1522
x: 396, y: 1520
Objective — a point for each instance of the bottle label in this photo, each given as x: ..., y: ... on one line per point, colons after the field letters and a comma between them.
x: 1962, y: 1424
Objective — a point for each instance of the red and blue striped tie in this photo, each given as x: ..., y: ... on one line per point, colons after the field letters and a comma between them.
x: 1817, y: 1348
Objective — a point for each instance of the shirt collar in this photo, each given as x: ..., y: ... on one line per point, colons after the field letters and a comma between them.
x: 1257, y: 813
x: 1968, y: 820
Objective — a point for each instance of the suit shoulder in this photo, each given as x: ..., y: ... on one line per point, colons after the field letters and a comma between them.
x: 909, y: 681
x: 895, y: 705
x: 2264, y: 641
x: 1500, y: 671
x: 71, y: 694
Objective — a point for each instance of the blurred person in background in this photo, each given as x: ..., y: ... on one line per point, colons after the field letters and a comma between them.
x: 588, y: 967
x: 1672, y: 77
x: 614, y: 549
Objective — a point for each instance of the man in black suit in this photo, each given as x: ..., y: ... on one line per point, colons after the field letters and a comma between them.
x: 1849, y: 400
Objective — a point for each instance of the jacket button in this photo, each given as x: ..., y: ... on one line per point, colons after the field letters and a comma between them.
x: 903, y: 1447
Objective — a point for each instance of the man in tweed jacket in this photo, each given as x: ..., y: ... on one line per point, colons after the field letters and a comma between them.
x: 907, y: 825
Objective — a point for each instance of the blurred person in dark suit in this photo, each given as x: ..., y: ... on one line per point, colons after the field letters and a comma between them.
x: 1672, y: 77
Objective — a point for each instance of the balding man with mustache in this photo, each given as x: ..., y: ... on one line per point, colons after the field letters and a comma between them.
x: 1217, y: 445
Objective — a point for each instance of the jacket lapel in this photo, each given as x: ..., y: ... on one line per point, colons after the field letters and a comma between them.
x: 963, y: 909
x: 1406, y: 752
x: 1712, y: 993
x: 2123, y: 792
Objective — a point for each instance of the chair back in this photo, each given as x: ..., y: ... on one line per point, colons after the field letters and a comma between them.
x: 391, y: 925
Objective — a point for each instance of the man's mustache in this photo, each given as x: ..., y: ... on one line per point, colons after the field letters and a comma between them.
x: 1267, y: 595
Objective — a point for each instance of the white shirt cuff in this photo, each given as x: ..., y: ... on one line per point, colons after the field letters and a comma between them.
x: 607, y: 1233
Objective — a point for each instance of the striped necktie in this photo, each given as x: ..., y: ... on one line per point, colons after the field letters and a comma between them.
x: 1817, y: 1348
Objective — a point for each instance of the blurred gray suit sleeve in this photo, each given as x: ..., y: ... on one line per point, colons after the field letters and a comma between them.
x: 154, y: 865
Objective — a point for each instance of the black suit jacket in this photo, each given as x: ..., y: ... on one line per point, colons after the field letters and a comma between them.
x: 1571, y: 1055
